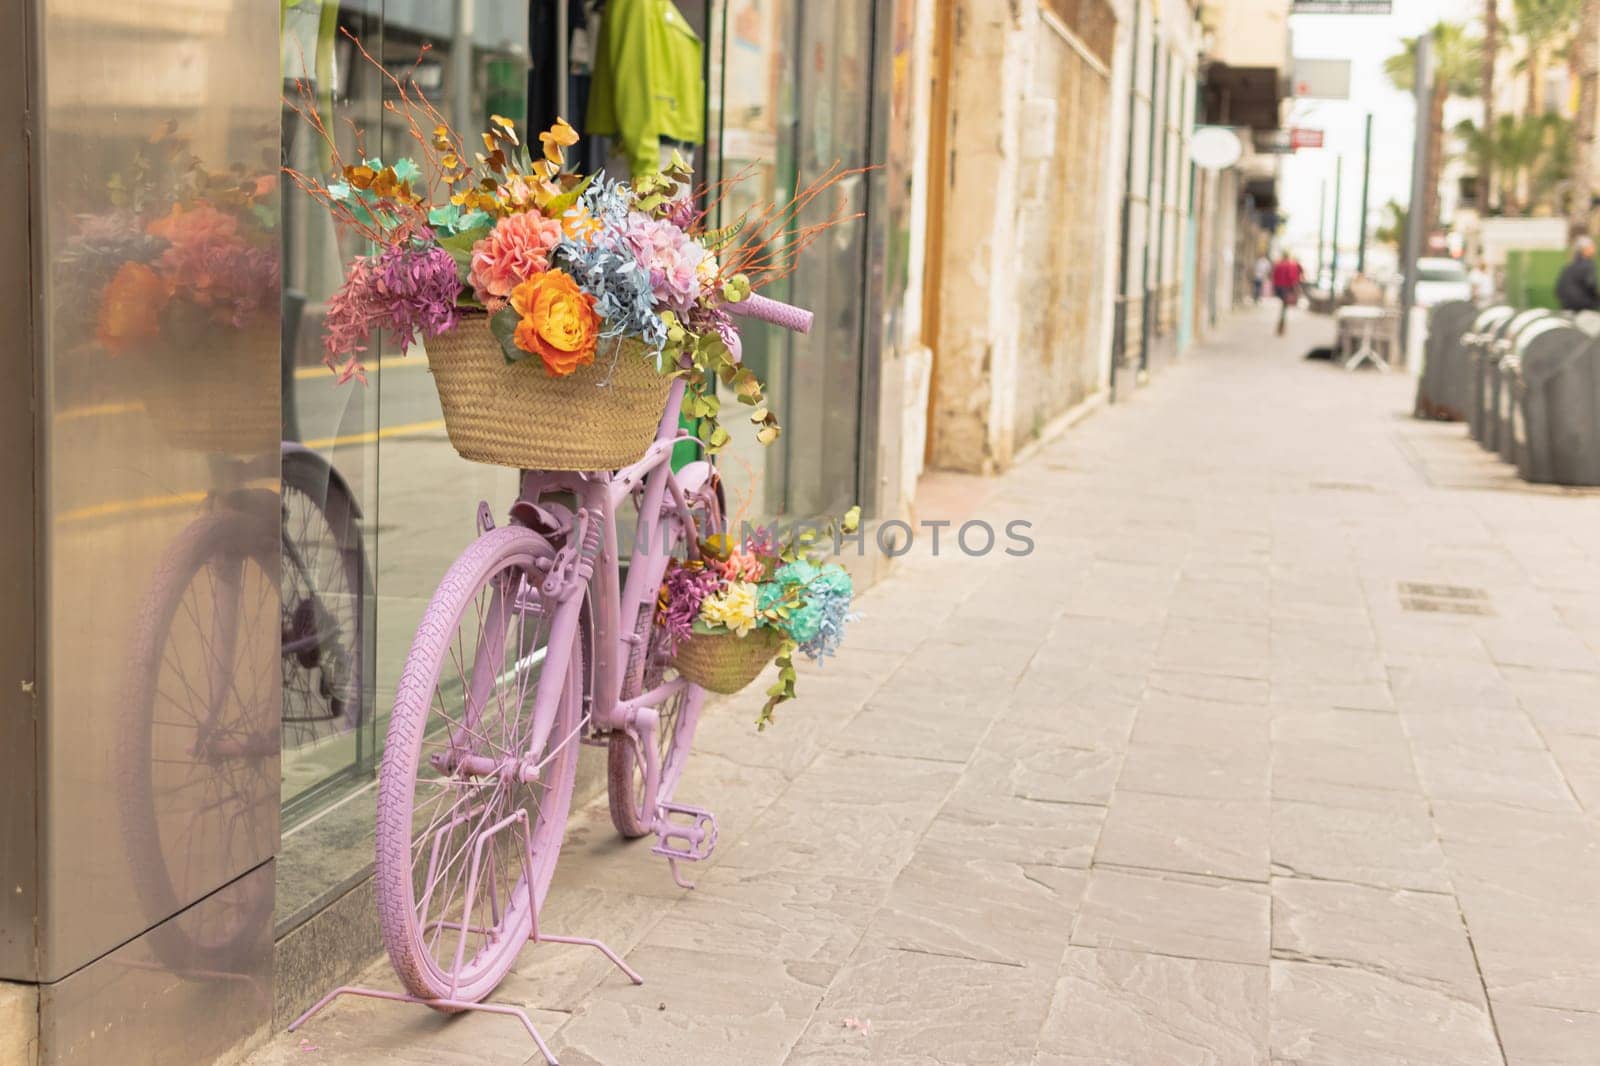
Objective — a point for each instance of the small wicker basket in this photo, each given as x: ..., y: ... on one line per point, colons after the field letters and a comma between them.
x: 724, y: 662
x: 600, y: 417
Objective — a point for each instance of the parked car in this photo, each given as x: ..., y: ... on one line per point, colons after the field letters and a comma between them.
x: 1440, y: 279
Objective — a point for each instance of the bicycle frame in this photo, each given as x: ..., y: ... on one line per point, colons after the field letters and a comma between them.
x: 601, y: 495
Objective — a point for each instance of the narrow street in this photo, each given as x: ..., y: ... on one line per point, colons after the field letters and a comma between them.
x: 1282, y: 746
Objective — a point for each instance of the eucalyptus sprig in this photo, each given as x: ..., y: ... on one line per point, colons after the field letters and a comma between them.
x: 709, y: 360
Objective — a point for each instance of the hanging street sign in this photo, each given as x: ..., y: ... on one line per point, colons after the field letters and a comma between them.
x: 1342, y: 7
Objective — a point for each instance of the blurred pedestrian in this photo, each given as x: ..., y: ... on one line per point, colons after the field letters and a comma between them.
x: 1259, y: 276
x: 1287, y: 277
x: 1482, y: 282
x: 1575, y: 288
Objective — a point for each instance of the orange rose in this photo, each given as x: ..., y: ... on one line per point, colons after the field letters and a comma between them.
x: 130, y: 309
x: 559, y: 323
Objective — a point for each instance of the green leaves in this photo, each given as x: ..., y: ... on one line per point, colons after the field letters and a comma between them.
x: 782, y: 690
x: 503, y: 324
x: 561, y: 204
x: 459, y: 245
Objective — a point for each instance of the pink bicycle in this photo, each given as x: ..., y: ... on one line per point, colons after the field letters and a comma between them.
x: 536, y: 641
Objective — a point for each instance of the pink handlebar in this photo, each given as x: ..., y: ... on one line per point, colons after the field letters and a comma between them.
x: 788, y: 316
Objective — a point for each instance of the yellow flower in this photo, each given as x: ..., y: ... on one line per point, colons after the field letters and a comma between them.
x: 734, y: 607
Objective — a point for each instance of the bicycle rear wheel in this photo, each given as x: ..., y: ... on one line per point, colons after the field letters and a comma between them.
x: 467, y: 842
x: 679, y: 714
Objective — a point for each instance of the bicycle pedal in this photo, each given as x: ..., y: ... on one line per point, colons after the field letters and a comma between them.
x: 684, y: 834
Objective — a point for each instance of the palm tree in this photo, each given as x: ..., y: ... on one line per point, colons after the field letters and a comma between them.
x: 1586, y: 66
x: 1526, y: 149
x: 1456, y: 72
x: 1544, y: 25
x: 1393, y: 229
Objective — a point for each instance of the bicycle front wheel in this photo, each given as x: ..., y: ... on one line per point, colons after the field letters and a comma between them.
x: 477, y: 774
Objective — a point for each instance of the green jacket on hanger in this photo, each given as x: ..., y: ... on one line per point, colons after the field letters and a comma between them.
x: 648, y: 82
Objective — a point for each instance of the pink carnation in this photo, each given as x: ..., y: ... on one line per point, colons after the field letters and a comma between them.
x: 671, y: 256
x: 515, y: 250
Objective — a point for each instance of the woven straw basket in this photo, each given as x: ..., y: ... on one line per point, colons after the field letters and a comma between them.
x: 724, y: 662
x: 600, y: 417
x: 205, y: 396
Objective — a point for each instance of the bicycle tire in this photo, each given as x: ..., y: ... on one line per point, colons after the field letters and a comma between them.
x: 414, y: 933
x: 624, y: 767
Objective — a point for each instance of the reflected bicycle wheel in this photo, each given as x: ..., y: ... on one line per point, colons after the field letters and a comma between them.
x: 323, y: 590
x: 199, y: 776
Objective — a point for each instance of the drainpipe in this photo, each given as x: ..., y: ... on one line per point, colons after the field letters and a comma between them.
x: 1119, y: 339
x: 1149, y: 197
x: 1161, y: 201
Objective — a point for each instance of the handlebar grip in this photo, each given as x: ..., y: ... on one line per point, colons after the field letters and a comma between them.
x: 788, y: 316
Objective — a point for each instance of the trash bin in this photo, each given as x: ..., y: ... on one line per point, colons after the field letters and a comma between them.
x: 1484, y: 327
x: 1441, y: 388
x: 1563, y: 414
x: 1544, y: 350
x: 1489, y: 403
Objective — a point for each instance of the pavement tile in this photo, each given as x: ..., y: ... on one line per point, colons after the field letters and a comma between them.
x: 1218, y: 838
x: 1517, y: 777
x: 914, y: 730
x: 1431, y: 684
x: 918, y: 1009
x: 1352, y: 695
x: 1485, y: 727
x: 1232, y: 649
x: 1126, y: 1008
x: 1174, y: 914
x: 1208, y: 688
x: 747, y: 1009
x: 1041, y: 765
x: 1540, y: 1036
x: 954, y: 901
x: 783, y: 915
x: 848, y: 815
x: 1016, y: 829
x: 1579, y: 760
x: 1180, y: 721
x: 1391, y: 848
x: 1339, y: 1016
x: 1217, y: 771
x: 1313, y: 769
x: 1558, y: 702
x: 1414, y: 937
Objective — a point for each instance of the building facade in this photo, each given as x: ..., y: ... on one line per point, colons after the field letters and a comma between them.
x: 1027, y: 233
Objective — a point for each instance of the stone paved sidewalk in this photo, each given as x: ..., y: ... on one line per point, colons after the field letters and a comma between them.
x: 1283, y: 746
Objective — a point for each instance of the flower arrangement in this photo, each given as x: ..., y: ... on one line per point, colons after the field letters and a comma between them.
x: 773, y: 598
x: 561, y: 269
x: 175, y: 252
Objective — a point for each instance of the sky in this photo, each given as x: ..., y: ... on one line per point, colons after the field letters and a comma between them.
x: 1366, y: 40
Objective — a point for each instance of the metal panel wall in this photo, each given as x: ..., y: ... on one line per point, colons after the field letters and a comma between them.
x: 156, y: 184
x: 19, y: 801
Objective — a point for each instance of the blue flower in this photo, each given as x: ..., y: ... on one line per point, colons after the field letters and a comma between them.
x: 607, y: 268
x: 817, y: 625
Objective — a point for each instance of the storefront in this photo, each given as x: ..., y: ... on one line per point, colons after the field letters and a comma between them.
x: 240, y: 889
x: 790, y: 95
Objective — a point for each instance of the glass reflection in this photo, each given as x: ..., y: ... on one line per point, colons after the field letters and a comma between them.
x: 159, y: 221
x: 376, y: 502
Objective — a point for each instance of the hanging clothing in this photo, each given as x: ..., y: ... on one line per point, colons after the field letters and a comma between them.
x: 648, y: 84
